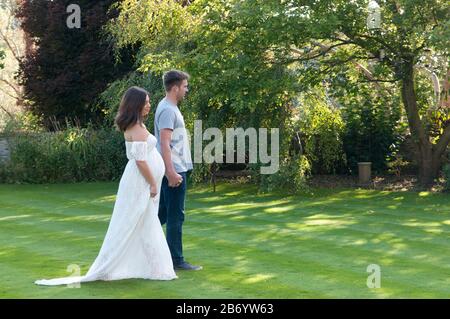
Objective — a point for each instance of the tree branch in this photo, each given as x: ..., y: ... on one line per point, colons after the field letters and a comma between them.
x: 353, y: 57
x: 440, y: 147
x: 8, y: 44
x: 324, y: 49
x: 12, y: 86
x: 358, y: 65
x: 384, y: 44
x: 382, y: 81
x: 9, y: 94
x: 6, y: 111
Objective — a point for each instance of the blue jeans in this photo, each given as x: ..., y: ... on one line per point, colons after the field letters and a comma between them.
x: 171, y: 212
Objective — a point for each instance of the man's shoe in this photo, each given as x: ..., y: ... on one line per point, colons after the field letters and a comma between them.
x: 187, y: 266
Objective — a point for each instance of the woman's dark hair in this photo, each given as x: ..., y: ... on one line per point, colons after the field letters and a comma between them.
x: 130, y: 109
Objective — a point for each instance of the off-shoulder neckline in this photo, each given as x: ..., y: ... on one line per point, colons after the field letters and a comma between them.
x: 148, y: 136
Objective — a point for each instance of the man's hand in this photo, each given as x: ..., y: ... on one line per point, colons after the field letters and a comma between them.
x: 174, y: 179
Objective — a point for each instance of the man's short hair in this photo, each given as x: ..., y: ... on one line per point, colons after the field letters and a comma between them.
x: 174, y: 77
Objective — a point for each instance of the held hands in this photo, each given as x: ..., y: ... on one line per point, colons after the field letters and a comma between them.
x: 174, y: 179
x: 153, y: 190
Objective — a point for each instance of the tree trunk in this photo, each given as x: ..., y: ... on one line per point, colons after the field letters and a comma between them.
x: 427, y: 171
x: 428, y: 168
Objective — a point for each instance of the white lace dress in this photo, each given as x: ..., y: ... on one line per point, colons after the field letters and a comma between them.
x: 134, y: 245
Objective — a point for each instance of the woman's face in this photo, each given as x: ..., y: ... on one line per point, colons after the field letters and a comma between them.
x: 146, y: 109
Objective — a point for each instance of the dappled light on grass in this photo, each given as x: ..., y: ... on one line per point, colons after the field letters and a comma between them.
x: 424, y: 194
x: 103, y: 218
x: 13, y: 217
x: 312, y: 245
x: 106, y: 199
x: 258, y: 278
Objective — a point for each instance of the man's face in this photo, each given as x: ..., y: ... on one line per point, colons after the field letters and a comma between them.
x: 182, y: 90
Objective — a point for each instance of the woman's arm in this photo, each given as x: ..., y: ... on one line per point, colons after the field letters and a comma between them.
x: 147, y: 173
x: 144, y: 168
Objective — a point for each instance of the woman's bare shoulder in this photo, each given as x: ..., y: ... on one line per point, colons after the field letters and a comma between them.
x: 136, y: 133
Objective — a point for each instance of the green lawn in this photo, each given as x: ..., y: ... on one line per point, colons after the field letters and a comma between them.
x: 251, y: 246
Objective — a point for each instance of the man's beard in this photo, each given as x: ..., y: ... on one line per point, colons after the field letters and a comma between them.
x: 180, y: 99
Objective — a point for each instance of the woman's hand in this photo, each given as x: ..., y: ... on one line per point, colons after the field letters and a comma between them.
x: 153, y: 190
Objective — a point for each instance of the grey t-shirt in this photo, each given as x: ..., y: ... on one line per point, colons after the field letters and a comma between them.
x: 169, y: 116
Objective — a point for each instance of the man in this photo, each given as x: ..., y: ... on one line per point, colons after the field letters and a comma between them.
x: 174, y: 147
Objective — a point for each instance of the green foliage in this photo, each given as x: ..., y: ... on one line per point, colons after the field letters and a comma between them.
x: 234, y: 82
x: 160, y: 27
x: 201, y: 173
x: 109, y: 100
x: 446, y: 172
x: 72, y: 155
x: 250, y: 59
x: 68, y: 67
x: 292, y: 176
x: 372, y: 115
x: 397, y: 164
x: 233, y: 79
x: 321, y: 128
x: 22, y: 122
x: 2, y: 56
x: 367, y: 138
x: 371, y: 134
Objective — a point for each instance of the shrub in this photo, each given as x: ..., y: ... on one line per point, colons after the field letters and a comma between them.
x: 370, y: 134
x: 446, y: 173
x: 291, y: 176
x: 22, y: 122
x: 72, y: 155
x: 321, y: 128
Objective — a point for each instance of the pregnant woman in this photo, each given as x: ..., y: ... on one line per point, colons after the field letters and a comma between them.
x: 134, y: 245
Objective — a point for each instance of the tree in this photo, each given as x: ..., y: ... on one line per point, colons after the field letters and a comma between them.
x: 11, y: 39
x: 233, y: 82
x: 2, y: 65
x: 251, y: 57
x: 409, y: 29
x: 67, y: 68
